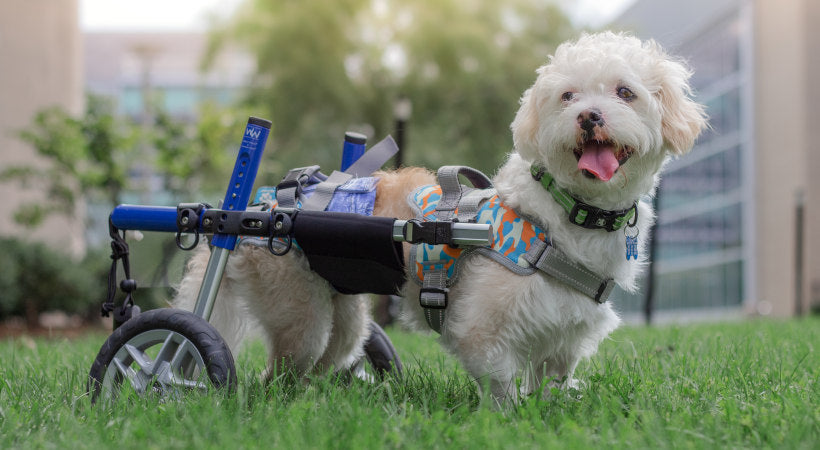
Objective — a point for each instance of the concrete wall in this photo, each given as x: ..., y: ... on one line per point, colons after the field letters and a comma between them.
x: 782, y: 121
x: 811, y: 286
x: 40, y: 66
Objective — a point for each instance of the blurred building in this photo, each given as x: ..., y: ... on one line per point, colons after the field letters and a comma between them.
x: 48, y: 61
x: 40, y: 67
x: 739, y: 217
x: 131, y: 67
x: 137, y: 68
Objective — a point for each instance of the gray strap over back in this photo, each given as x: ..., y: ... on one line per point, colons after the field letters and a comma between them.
x: 324, y: 191
x: 374, y: 158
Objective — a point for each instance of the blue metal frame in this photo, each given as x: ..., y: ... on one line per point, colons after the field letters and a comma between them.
x: 244, y: 174
x: 145, y: 218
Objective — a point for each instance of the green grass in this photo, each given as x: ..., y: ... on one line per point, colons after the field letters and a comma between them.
x: 731, y: 385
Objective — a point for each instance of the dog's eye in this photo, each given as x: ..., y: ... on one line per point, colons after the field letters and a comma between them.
x: 626, y: 94
x: 567, y: 96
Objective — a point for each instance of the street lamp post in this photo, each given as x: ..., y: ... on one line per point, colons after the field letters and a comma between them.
x: 387, y: 306
x: 402, y: 110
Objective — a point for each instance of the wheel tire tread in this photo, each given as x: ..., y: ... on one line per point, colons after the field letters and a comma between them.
x: 215, y: 352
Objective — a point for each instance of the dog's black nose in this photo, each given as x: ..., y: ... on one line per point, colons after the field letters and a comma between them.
x: 590, y: 118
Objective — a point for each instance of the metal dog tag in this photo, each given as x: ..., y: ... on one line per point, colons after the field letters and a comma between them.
x: 631, y: 244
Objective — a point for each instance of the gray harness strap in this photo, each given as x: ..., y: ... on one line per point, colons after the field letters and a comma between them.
x: 471, y: 202
x: 554, y: 262
x: 451, y: 189
x: 433, y: 294
x: 433, y: 298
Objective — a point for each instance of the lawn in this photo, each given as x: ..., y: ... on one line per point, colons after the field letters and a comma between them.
x: 750, y: 384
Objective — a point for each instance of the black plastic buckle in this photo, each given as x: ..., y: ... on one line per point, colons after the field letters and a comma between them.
x: 286, y: 184
x: 433, y: 232
x: 604, y: 290
x: 595, y: 218
x: 433, y: 304
x: 300, y: 175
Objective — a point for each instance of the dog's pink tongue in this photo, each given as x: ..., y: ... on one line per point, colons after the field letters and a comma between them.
x: 599, y: 160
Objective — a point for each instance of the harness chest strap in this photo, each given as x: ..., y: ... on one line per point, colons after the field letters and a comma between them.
x: 433, y: 298
x: 541, y: 255
x: 552, y: 261
x: 433, y: 294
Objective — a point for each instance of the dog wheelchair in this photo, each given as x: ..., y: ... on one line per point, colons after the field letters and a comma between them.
x: 167, y: 351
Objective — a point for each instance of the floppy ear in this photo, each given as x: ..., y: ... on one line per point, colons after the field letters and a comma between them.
x: 525, y: 125
x: 682, y: 119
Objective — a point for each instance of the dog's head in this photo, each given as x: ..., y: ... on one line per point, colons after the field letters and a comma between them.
x: 603, y: 115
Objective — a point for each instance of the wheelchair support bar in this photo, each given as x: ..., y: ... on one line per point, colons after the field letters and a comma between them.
x: 145, y: 218
x: 262, y: 223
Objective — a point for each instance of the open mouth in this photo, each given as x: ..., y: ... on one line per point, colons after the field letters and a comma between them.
x: 601, y: 159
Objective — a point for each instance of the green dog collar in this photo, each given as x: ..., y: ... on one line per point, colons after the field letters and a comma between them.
x: 582, y: 214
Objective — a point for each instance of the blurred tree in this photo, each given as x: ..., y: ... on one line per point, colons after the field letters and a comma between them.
x: 195, y: 160
x: 35, y: 278
x: 78, y: 159
x: 92, y: 156
x: 323, y: 67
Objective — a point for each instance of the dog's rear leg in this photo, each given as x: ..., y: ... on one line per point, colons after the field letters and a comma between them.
x: 351, y: 317
x: 228, y: 315
x: 297, y: 331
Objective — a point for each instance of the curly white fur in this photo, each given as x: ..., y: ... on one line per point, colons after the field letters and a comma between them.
x: 501, y: 326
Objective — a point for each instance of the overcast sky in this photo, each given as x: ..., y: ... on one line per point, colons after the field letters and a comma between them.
x: 168, y: 15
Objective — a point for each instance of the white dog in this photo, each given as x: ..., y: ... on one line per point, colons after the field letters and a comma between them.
x: 603, y: 115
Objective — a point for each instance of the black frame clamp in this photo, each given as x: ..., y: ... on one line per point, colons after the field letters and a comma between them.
x: 434, y: 232
x: 188, y: 222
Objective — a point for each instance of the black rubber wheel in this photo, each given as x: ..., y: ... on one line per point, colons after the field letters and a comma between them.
x: 380, y: 353
x: 164, y: 352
